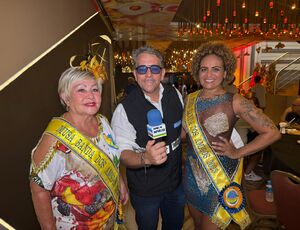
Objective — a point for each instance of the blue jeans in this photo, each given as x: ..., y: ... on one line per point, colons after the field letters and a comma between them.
x: 171, y: 206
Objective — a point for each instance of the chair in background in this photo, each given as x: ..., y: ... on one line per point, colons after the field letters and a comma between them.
x: 286, y: 189
x: 262, y: 213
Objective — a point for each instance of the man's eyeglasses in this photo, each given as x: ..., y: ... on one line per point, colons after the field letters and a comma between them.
x: 142, y: 69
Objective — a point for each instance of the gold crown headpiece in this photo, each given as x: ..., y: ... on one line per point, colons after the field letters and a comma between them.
x: 94, y: 62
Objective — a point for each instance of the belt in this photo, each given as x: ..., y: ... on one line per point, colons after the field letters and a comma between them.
x: 171, y: 147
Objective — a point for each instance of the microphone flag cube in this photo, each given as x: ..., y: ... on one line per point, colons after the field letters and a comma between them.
x: 158, y: 131
x: 155, y: 127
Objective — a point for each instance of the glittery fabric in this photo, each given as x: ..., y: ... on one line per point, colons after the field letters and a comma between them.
x: 217, y: 118
x: 216, y: 124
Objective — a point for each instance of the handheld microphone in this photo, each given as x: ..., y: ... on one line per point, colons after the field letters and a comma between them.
x: 156, y: 129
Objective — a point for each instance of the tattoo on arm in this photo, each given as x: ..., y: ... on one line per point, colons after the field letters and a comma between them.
x: 248, y: 109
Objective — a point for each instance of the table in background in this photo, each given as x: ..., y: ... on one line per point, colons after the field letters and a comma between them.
x: 283, y: 155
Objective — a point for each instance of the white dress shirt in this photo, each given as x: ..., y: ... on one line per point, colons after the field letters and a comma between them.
x: 124, y: 131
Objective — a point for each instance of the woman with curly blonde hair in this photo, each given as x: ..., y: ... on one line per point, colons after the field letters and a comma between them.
x: 213, y: 167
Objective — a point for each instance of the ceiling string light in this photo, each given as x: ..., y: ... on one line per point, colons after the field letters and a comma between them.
x: 178, y: 58
x: 272, y: 19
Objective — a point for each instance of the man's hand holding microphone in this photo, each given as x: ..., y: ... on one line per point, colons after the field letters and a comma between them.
x: 156, y: 149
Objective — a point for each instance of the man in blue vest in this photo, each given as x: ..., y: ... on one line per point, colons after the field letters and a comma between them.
x: 153, y: 168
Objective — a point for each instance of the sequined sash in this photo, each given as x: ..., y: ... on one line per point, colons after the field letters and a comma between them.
x: 88, y: 151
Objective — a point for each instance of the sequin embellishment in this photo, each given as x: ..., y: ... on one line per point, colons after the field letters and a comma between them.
x: 216, y: 124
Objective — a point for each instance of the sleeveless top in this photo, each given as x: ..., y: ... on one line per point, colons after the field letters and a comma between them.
x: 217, y: 118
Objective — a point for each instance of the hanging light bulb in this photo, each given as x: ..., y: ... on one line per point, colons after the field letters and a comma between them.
x: 226, y: 20
x: 244, y: 5
x: 293, y: 6
x: 265, y: 20
x: 208, y: 13
x: 281, y: 13
x: 256, y: 13
x: 271, y: 4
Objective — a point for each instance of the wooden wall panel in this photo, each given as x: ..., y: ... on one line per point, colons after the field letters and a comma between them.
x: 27, y: 105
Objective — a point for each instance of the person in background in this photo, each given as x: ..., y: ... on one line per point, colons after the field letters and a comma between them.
x: 292, y: 114
x: 253, y: 159
x: 70, y: 187
x: 192, y: 86
x: 131, y: 85
x: 259, y: 92
x: 182, y: 87
x: 153, y: 169
x: 213, y: 167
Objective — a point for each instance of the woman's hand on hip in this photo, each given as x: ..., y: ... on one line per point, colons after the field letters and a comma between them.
x: 225, y: 148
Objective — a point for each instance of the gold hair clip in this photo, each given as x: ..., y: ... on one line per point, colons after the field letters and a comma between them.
x: 92, y: 63
x: 94, y: 67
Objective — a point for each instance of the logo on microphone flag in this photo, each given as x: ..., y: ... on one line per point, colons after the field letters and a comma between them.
x: 157, y: 131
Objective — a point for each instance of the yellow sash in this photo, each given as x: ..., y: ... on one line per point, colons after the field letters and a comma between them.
x: 213, y: 166
x: 88, y: 151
